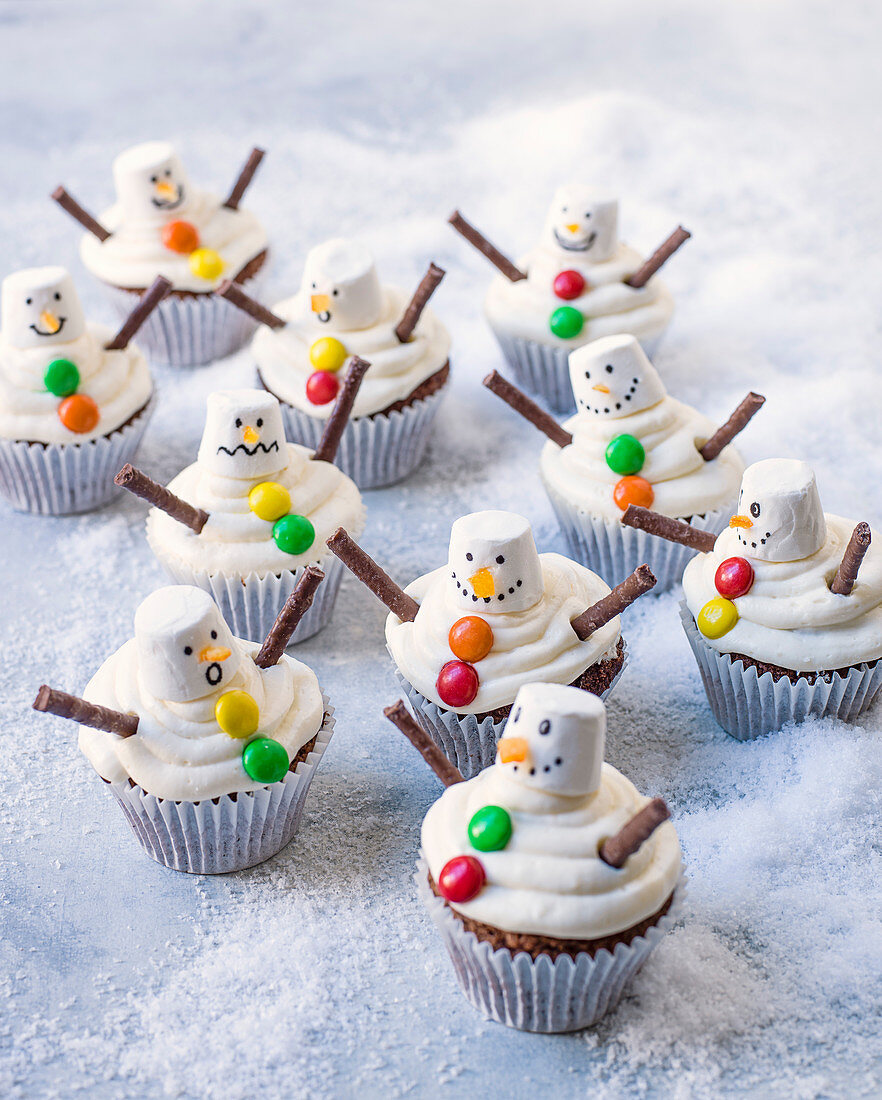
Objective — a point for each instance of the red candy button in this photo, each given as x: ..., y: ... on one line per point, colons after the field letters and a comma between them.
x: 79, y: 413
x: 462, y: 878
x: 180, y: 237
x: 568, y: 285
x: 457, y: 684
x: 734, y: 578
x: 633, y: 490
x: 322, y: 387
x: 470, y: 638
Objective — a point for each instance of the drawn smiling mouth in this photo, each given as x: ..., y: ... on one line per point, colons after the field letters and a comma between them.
x: 40, y: 332
x: 576, y: 246
x: 251, y: 451
x: 170, y: 204
x: 214, y: 674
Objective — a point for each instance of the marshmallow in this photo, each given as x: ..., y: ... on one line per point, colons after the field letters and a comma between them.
x: 780, y: 516
x: 341, y: 288
x: 151, y: 185
x: 583, y: 222
x: 493, y: 563
x: 41, y: 307
x: 612, y: 378
x: 244, y: 436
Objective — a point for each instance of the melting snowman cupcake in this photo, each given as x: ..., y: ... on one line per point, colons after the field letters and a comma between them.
x: 185, y: 719
x: 579, y: 284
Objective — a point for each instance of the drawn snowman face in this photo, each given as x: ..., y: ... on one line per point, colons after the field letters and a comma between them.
x: 779, y: 511
x: 554, y: 739
x: 341, y: 287
x: 185, y: 649
x: 582, y: 222
x: 493, y: 564
x: 151, y: 184
x: 41, y: 308
x: 244, y: 436
x: 612, y: 377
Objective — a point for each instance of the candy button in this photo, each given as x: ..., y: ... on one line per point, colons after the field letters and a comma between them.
x: 269, y: 500
x: 470, y: 638
x: 265, y: 760
x: 79, y: 413
x: 633, y: 490
x: 321, y: 387
x: 490, y: 829
x: 734, y: 578
x: 625, y: 454
x: 181, y: 237
x: 566, y: 322
x: 237, y: 714
x: 568, y: 285
x: 717, y: 617
x: 205, y: 263
x: 326, y: 353
x: 293, y: 534
x: 457, y: 684
x: 462, y: 878
x: 62, y: 377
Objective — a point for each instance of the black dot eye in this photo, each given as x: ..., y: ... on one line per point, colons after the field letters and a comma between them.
x: 558, y: 761
x: 260, y: 422
x: 587, y: 213
x: 517, y: 715
x: 335, y: 292
x: 609, y: 368
x: 587, y: 373
x: 154, y: 179
x: 57, y: 296
x: 520, y: 583
x: 168, y: 172
x: 28, y: 301
x: 214, y: 635
x: 754, y: 509
x: 544, y: 727
x: 313, y: 286
x: 188, y: 649
x: 564, y: 209
x: 238, y: 422
x: 468, y: 557
x: 500, y: 560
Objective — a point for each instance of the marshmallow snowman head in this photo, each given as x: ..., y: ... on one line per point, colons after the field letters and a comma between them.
x: 612, y: 378
x: 493, y: 563
x: 244, y: 436
x: 779, y: 511
x: 554, y: 740
x: 341, y: 287
x: 583, y: 222
x: 151, y: 185
x: 185, y: 649
x: 41, y: 307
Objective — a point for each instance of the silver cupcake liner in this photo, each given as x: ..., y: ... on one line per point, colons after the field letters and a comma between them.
x: 748, y: 705
x: 218, y: 835
x: 59, y: 479
x: 466, y: 742
x: 546, y: 995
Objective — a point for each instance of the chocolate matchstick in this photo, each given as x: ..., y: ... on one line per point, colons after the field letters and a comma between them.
x: 51, y: 701
x: 147, y: 489
x: 479, y: 241
x: 624, y: 594
x: 70, y: 205
x: 293, y: 610
x: 419, y: 301
x: 244, y: 178
x: 527, y: 408
x: 399, y: 716
x: 674, y: 530
x: 661, y: 255
x: 148, y: 301
x: 846, y: 574
x: 237, y: 296
x: 372, y: 576
x: 634, y: 833
x: 739, y: 420
x: 339, y: 418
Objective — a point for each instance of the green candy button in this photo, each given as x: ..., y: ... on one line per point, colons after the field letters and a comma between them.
x: 61, y: 377
x: 293, y: 534
x: 625, y: 455
x: 566, y: 322
x: 265, y: 760
x: 490, y: 829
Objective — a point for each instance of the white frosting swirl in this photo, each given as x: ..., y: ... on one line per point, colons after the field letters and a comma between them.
x: 790, y: 617
x: 396, y: 369
x: 117, y: 381
x: 536, y: 644
x: 179, y: 751
x: 549, y: 879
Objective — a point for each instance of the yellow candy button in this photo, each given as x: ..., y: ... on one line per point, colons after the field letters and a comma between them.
x: 237, y: 714
x: 205, y: 263
x: 270, y: 501
x: 717, y: 617
x: 326, y: 353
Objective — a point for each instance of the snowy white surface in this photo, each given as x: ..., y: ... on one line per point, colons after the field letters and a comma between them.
x: 317, y: 974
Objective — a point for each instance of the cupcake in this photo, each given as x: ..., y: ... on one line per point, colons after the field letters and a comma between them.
x: 162, y: 225
x: 343, y: 310
x: 580, y: 283
x: 498, y: 615
x: 631, y: 443
x: 245, y: 520
x: 549, y: 876
x: 74, y: 398
x: 207, y: 742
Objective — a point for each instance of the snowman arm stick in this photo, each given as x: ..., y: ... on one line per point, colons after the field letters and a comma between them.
x: 293, y: 610
x: 51, y: 701
x: 148, y: 301
x: 237, y: 297
x: 70, y: 206
x: 661, y: 255
x: 479, y: 241
x: 372, y: 576
x: 244, y: 178
x: 739, y: 420
x: 399, y: 716
x: 674, y: 530
x: 428, y: 285
x: 634, y: 833
x: 147, y: 489
x: 624, y: 594
x: 339, y: 418
x: 527, y: 408
x: 846, y: 574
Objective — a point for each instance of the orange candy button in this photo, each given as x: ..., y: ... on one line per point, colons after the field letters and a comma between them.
x: 633, y: 490
x: 79, y: 413
x: 470, y: 638
x: 180, y: 237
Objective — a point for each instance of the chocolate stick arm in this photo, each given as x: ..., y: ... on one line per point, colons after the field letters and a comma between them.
x: 739, y: 420
x: 237, y: 296
x: 244, y: 178
x: 148, y: 301
x: 339, y: 418
x: 399, y: 716
x: 624, y: 594
x: 147, y: 489
x: 674, y: 530
x: 479, y: 241
x: 846, y: 574
x: 661, y: 255
x: 51, y: 701
x: 634, y: 833
x: 293, y: 610
x: 70, y: 206
x: 419, y: 301
x: 372, y: 576
x: 527, y: 408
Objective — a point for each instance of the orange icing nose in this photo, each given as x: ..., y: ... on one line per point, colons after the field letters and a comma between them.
x: 483, y: 584
x: 512, y: 750
x: 49, y: 321
x: 165, y: 189
x: 741, y: 521
x: 600, y: 388
x: 213, y: 653
x: 319, y: 302
x: 250, y: 436
x: 572, y: 228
